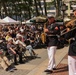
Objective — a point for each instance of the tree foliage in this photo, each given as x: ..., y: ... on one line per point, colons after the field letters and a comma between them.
x: 22, y: 8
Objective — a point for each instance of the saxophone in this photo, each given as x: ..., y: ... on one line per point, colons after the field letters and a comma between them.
x: 43, y: 34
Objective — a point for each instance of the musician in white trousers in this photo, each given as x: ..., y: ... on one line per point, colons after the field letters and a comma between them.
x: 72, y: 65
x: 51, y: 41
x: 51, y: 55
x: 72, y: 59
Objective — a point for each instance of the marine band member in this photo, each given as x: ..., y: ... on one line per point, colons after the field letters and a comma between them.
x: 51, y: 31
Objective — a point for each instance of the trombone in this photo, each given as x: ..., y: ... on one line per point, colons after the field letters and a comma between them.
x: 72, y: 23
x: 63, y: 32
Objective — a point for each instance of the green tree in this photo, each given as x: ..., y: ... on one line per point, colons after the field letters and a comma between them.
x: 3, y: 4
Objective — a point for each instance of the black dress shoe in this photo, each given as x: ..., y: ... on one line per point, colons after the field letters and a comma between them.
x: 54, y: 69
x: 50, y: 71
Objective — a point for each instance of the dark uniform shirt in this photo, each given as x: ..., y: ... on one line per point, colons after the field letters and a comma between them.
x: 51, y: 38
x: 72, y: 49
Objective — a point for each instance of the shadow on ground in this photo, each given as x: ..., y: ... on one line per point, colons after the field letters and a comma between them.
x: 29, y: 58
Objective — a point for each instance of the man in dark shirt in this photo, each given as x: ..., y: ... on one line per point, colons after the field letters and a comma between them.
x: 52, y: 30
x: 72, y: 58
x: 71, y: 52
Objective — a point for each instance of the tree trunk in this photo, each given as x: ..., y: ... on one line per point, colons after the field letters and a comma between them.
x: 29, y: 8
x: 36, y: 7
x: 39, y: 2
x: 4, y: 6
x: 58, y: 7
x: 45, y: 7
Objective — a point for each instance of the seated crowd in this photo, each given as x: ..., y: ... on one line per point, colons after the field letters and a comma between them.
x: 15, y: 40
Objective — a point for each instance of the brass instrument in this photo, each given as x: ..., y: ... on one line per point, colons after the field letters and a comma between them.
x: 43, y: 35
x: 63, y: 33
x: 73, y: 27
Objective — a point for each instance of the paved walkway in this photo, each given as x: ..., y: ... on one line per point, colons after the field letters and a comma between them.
x: 38, y: 65
x: 62, y: 67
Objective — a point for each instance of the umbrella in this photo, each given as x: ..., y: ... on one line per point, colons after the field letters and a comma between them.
x: 40, y: 19
x: 30, y: 21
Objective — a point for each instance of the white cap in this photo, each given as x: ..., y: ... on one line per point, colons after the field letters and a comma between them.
x: 50, y: 15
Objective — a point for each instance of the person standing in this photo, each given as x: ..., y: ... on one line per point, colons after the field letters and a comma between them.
x: 71, y: 36
x: 72, y: 58
x: 51, y: 30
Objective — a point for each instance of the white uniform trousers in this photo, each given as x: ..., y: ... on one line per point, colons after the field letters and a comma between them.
x: 72, y: 65
x: 51, y: 55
